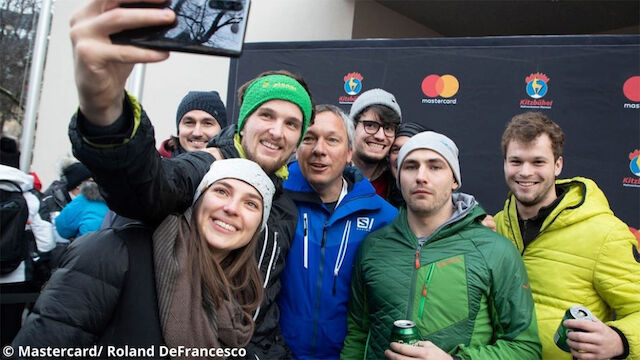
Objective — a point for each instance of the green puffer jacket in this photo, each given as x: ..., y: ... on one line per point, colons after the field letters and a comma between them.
x: 465, y: 287
x: 583, y: 255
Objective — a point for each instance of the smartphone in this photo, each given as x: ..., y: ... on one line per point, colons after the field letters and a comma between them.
x: 214, y: 27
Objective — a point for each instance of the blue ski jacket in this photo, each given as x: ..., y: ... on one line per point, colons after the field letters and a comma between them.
x: 317, y: 276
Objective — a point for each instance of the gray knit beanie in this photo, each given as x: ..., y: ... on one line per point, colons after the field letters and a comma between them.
x: 241, y: 169
x: 432, y: 141
x: 374, y: 97
x: 207, y: 101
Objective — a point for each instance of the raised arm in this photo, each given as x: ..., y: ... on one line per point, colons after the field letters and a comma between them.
x: 101, y: 68
x: 111, y: 133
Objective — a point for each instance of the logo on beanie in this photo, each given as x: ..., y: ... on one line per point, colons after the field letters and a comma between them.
x: 634, y: 167
x: 537, y: 87
x: 352, y: 86
x: 439, y: 89
x: 631, y: 89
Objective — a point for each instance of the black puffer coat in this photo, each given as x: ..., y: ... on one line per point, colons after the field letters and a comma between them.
x: 103, y: 293
x: 138, y: 183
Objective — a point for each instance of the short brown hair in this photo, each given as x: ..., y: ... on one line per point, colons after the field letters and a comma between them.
x: 528, y: 126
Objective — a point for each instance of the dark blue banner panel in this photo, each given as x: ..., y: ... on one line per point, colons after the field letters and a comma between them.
x: 469, y: 88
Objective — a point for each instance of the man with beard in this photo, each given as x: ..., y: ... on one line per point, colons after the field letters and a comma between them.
x: 575, y: 250
x: 337, y: 208
x: 464, y: 286
x: 113, y: 136
x: 200, y: 116
x: 376, y: 115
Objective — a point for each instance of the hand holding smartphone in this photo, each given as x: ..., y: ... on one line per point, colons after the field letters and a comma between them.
x: 214, y: 27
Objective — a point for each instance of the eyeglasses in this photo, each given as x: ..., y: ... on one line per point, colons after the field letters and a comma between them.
x: 372, y: 127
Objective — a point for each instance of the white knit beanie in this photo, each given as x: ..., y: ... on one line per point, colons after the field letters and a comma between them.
x: 241, y: 169
x: 432, y: 141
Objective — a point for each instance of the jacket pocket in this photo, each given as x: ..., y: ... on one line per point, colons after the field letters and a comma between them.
x: 441, y: 297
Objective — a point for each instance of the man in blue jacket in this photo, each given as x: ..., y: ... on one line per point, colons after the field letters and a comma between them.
x: 337, y: 208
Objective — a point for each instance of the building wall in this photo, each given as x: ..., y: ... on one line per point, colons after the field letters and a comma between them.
x: 167, y: 82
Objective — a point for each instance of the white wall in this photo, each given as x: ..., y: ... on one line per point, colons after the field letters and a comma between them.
x: 167, y: 82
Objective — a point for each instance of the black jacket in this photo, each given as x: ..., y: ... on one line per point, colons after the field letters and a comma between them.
x: 103, y: 293
x: 138, y: 183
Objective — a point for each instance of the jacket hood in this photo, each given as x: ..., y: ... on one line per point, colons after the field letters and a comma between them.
x: 583, y: 199
x: 25, y: 181
x: 465, y: 210
x: 91, y: 191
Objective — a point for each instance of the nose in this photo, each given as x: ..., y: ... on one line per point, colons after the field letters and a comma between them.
x: 526, y: 169
x: 197, y: 130
x: 320, y: 148
x: 231, y: 206
x: 422, y: 175
x: 380, y: 133
x: 276, y: 130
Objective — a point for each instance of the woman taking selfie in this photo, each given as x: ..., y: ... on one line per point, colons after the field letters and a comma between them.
x: 192, y: 281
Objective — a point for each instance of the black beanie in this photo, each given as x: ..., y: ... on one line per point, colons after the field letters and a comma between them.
x: 207, y: 101
x: 75, y: 174
x: 409, y: 129
x: 9, y: 153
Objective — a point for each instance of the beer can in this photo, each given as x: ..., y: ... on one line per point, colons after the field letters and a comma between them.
x: 574, y: 312
x: 405, y: 332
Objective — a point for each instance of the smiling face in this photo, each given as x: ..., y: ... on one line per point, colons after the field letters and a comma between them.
x: 196, y: 128
x: 229, y: 215
x: 271, y: 133
x: 427, y: 182
x: 530, y: 172
x: 324, y: 153
x: 371, y: 148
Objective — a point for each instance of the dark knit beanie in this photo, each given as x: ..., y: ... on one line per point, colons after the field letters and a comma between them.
x: 409, y: 129
x: 9, y: 153
x: 207, y: 101
x: 75, y: 174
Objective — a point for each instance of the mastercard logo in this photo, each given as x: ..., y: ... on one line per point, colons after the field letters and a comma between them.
x: 444, y: 86
x: 631, y: 88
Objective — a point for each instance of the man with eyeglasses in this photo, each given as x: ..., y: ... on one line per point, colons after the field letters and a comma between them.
x: 376, y: 115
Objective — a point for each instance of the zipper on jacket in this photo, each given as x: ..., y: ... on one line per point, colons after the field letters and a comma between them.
x: 413, y: 281
x: 425, y: 288
x: 318, y: 292
x: 306, y: 241
x: 342, y: 253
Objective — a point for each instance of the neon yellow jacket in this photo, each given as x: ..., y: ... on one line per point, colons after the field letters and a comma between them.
x: 583, y: 255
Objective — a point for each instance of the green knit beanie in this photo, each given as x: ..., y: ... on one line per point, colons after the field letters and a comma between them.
x: 275, y: 87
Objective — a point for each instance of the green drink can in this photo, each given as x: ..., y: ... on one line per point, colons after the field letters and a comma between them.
x: 574, y: 312
x: 405, y: 332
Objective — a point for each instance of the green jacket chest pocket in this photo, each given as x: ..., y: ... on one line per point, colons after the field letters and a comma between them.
x: 440, y: 296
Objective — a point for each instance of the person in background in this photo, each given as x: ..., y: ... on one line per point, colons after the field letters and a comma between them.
x: 190, y: 281
x: 376, y: 116
x: 27, y: 241
x: 72, y: 175
x: 463, y: 285
x: 405, y: 131
x: 83, y: 214
x: 576, y: 251
x: 200, y: 116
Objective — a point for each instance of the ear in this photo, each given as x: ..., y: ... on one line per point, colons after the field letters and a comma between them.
x: 349, y: 156
x: 558, y: 166
x: 455, y: 185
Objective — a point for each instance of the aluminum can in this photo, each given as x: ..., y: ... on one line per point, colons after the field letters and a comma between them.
x: 574, y: 312
x: 405, y: 332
